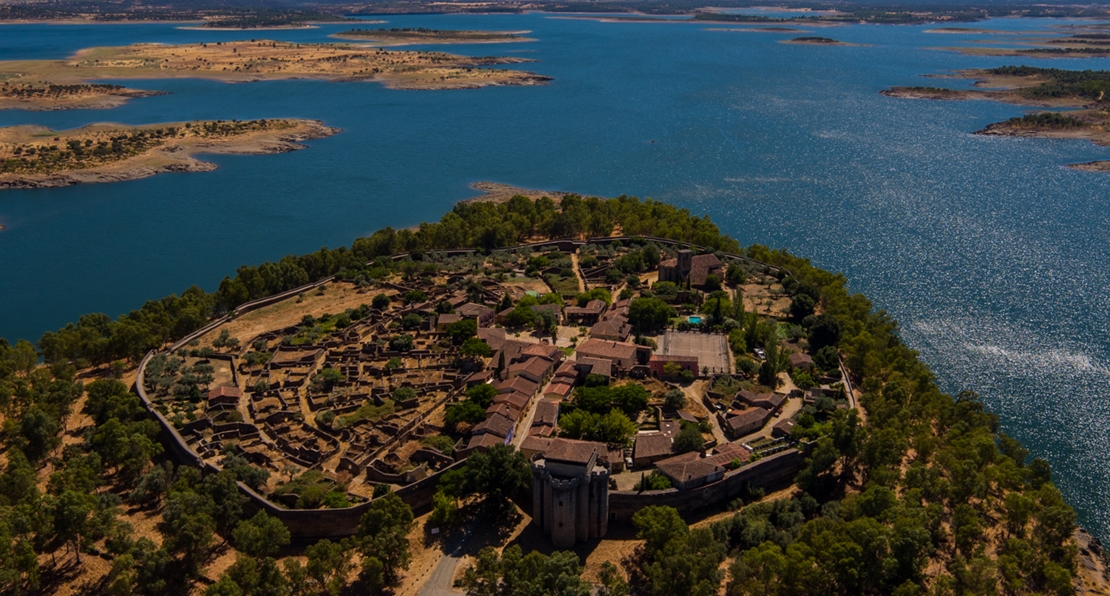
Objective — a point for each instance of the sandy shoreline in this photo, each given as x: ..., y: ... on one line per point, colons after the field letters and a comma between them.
x: 175, y: 154
x: 496, y: 192
x: 390, y: 38
x: 78, y: 101
x: 261, y: 59
x: 1086, y: 120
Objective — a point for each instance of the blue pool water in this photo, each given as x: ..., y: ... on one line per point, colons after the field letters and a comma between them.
x: 695, y: 320
x: 988, y: 251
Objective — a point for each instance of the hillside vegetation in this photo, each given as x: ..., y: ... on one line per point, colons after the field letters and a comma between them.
x: 919, y: 492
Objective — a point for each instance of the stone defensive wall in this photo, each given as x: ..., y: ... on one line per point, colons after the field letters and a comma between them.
x: 772, y: 472
x: 313, y: 524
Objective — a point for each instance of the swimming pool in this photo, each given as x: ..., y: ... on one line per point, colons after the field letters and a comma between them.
x: 694, y: 320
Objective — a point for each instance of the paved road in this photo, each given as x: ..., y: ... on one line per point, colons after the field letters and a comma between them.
x: 440, y: 580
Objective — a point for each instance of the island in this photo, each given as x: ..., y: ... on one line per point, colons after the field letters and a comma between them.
x: 410, y: 36
x: 37, y: 157
x: 815, y: 41
x: 970, y: 31
x: 757, y: 29
x: 256, y: 60
x: 1082, y: 93
x: 263, y: 19
x: 1078, y: 45
x: 46, y: 96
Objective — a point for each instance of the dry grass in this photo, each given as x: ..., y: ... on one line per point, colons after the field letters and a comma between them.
x: 265, y: 59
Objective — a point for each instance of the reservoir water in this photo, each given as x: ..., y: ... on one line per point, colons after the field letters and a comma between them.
x: 990, y: 253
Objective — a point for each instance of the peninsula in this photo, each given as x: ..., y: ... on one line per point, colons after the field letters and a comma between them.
x: 36, y: 157
x: 257, y: 60
x: 407, y: 36
x: 484, y: 376
x: 1084, y: 93
x: 41, y: 97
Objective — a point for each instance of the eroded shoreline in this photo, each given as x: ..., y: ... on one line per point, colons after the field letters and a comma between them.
x: 31, y: 158
x: 247, y: 61
x: 1087, y: 114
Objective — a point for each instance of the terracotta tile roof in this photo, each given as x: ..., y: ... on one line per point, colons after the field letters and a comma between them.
x: 547, y: 412
x: 516, y: 385
x: 783, y: 428
x: 495, y: 337
x: 515, y: 399
x: 748, y: 417
x: 566, y: 370
x: 505, y: 409
x: 575, y: 452
x: 547, y: 351
x: 560, y: 389
x: 650, y: 445
x: 494, y: 424
x: 689, y: 467
x: 701, y: 267
x: 768, y: 401
x: 611, y: 329
x: 596, y: 366
x: 447, y: 319
x: 474, y: 310
x: 534, y: 443
x: 600, y: 348
x: 484, y: 441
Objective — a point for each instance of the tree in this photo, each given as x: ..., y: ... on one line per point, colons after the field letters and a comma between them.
x: 414, y: 296
x: 401, y: 343
x: 648, y: 315
x: 825, y: 331
x: 516, y: 573
x: 188, y: 527
x: 482, y: 394
x: 475, y: 348
x: 261, y: 535
x: 827, y: 358
x: 460, y: 331
x: 327, y: 567
x: 497, y: 474
x: 675, y: 398
x: 657, y: 526
x: 380, y: 302
x: 383, y: 535
x: 613, y: 428
x: 688, y: 439
x: 612, y: 584
x: 802, y: 306
x: 688, y: 565
x: 411, y: 321
x: 464, y: 411
x: 545, y: 322
x: 72, y: 512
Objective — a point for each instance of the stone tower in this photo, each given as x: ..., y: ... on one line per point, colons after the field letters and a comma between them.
x: 570, y: 491
x: 685, y: 263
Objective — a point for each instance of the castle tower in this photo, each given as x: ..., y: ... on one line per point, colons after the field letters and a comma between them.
x: 570, y: 491
x: 685, y: 263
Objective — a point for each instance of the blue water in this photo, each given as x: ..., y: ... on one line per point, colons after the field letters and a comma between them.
x: 988, y: 251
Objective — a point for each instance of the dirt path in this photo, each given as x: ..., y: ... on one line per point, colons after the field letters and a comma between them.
x: 577, y: 272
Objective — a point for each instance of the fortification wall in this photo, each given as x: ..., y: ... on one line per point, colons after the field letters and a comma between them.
x: 770, y: 472
x: 305, y: 524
